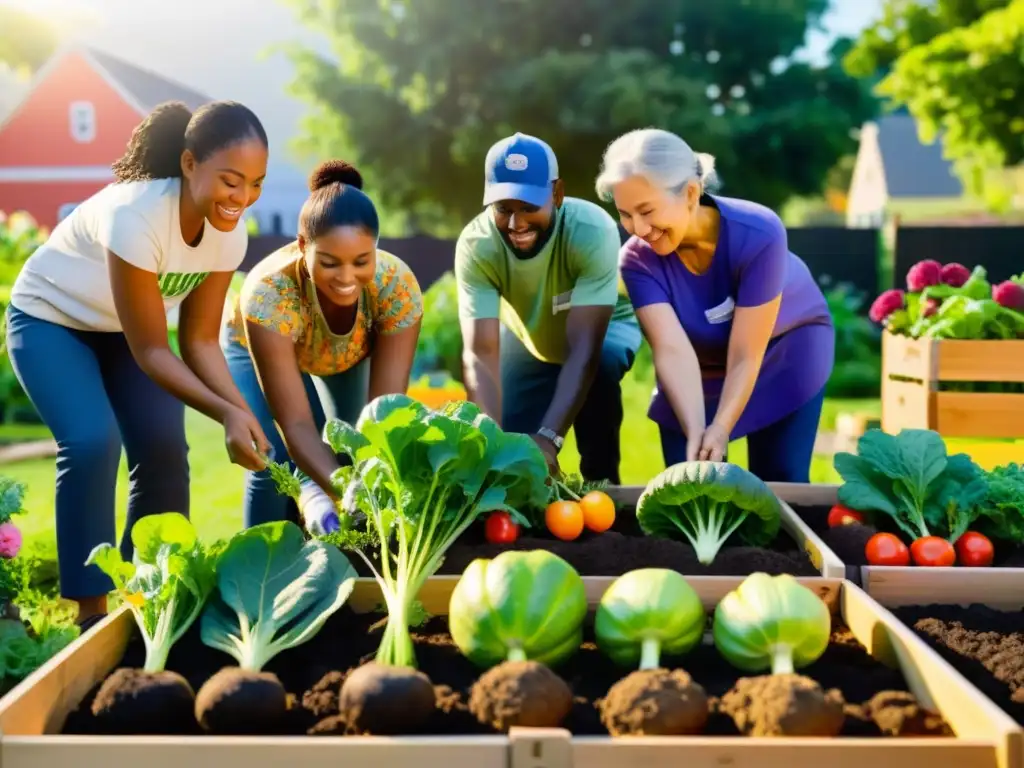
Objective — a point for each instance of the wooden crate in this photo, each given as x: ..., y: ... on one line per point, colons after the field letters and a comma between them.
x: 914, y: 584
x: 823, y: 558
x: 917, y: 404
x: 31, y: 716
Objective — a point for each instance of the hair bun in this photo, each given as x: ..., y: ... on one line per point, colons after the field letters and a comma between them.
x: 334, y: 172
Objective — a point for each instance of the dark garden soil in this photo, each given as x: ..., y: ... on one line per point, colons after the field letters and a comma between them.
x: 984, y: 645
x: 625, y: 548
x: 848, y: 541
x: 877, y: 699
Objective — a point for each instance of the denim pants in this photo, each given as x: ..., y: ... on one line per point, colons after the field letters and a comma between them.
x: 778, y: 453
x: 94, y: 398
x: 528, y: 386
x: 341, y: 396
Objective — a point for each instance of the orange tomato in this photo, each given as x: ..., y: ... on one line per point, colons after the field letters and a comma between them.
x: 598, y: 511
x: 564, y: 519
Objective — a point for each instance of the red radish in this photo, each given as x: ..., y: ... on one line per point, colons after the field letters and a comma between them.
x: 501, y: 528
x: 842, y: 515
x: 933, y: 552
x: 886, y: 549
x: 974, y: 550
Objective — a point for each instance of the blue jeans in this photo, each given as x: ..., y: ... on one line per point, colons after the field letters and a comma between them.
x: 528, y: 386
x: 341, y: 396
x: 93, y: 396
x: 778, y: 453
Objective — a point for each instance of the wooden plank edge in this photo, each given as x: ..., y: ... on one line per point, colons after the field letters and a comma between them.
x: 894, y: 587
x: 935, y: 682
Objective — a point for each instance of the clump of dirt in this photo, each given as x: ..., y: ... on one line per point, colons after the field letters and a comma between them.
x: 383, y: 700
x: 238, y: 701
x: 984, y: 644
x: 655, y: 702
x: 783, y: 705
x: 898, y: 713
x: 520, y: 693
x: 135, y: 702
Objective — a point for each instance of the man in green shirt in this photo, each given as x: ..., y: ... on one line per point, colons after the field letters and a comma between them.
x: 548, y: 332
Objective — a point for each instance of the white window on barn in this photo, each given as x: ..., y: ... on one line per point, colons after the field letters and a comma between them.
x: 82, y: 115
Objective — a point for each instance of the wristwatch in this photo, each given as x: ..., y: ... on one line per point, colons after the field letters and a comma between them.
x: 550, y: 434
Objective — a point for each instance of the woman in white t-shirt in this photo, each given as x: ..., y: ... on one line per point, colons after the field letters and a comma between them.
x: 87, y: 326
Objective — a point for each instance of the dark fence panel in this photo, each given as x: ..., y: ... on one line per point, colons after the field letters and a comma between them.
x: 999, y: 249
x: 844, y: 255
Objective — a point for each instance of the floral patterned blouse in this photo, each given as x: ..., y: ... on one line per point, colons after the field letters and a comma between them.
x: 278, y: 294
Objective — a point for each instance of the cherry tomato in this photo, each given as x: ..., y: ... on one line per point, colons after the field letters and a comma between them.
x: 886, y: 549
x: 974, y: 550
x: 598, y: 511
x: 564, y: 519
x: 933, y: 552
x: 501, y: 528
x: 840, y: 515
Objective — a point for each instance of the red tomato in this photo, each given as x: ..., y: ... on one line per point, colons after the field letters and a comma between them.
x: 933, y: 552
x: 974, y: 550
x: 886, y: 549
x: 840, y: 515
x: 501, y: 528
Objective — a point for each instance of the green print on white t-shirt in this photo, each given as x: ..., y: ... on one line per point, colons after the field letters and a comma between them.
x: 177, y: 283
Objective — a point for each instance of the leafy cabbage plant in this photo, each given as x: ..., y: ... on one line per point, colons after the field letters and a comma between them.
x: 167, y: 583
x: 421, y: 477
x: 707, y: 502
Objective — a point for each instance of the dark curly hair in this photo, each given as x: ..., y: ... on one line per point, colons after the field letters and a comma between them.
x: 154, y: 150
x: 336, y: 199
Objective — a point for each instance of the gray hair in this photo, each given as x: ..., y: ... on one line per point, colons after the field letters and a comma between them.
x: 661, y: 157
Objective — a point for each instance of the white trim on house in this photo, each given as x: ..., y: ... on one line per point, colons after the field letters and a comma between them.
x: 43, y: 173
x: 110, y: 80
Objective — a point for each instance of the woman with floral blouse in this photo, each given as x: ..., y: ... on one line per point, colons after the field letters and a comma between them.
x: 321, y: 327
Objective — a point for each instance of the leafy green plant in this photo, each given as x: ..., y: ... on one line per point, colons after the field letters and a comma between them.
x: 439, y: 347
x: 707, y: 502
x: 421, y: 477
x: 167, y: 583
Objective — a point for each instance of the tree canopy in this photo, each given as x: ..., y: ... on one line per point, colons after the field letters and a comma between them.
x: 419, y: 90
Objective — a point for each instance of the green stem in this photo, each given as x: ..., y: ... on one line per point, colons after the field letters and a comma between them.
x: 650, y: 653
x: 782, y: 660
x: 515, y: 653
x: 564, y: 487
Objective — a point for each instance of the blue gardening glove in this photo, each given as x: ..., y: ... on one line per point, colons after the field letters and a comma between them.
x: 318, y: 510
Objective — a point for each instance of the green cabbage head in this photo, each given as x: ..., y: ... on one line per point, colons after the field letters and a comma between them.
x: 771, y: 622
x: 707, y: 502
x: 645, y: 613
x: 520, y: 605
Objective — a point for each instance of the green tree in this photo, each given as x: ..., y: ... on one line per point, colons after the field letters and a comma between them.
x: 26, y: 40
x: 423, y: 88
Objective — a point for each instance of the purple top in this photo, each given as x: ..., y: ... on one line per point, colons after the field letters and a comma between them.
x: 751, y: 266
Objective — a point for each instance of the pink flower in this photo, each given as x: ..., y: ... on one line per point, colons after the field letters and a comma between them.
x: 10, y: 540
x: 954, y: 275
x: 1010, y: 295
x: 923, y: 274
x: 886, y: 304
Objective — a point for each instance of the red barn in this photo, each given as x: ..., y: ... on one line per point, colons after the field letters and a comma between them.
x: 57, y: 145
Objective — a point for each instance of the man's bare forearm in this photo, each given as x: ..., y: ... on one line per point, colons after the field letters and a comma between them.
x: 572, y: 387
x: 483, y: 382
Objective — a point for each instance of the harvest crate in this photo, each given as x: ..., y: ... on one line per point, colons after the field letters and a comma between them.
x: 912, y: 370
x: 32, y: 715
x: 823, y: 558
x: 909, y: 585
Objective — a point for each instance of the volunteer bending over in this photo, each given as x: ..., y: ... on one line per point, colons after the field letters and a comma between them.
x: 742, y: 338
x: 87, y: 327
x: 321, y: 327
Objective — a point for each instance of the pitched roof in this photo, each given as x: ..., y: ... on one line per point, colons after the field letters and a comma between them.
x: 913, y: 169
x: 146, y: 89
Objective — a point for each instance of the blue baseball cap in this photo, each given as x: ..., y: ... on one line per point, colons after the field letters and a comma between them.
x: 522, y: 168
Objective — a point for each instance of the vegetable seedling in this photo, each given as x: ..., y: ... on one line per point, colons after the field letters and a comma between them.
x: 165, y: 586
x: 775, y: 623
x: 519, y: 614
x: 707, y: 502
x: 642, y: 614
x: 275, y: 590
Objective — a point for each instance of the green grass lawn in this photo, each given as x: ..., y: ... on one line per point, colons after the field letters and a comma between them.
x: 217, y: 484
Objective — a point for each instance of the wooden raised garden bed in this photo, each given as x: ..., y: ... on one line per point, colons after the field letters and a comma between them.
x: 811, y: 503
x: 46, y: 720
x: 923, y: 379
x: 797, y: 550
